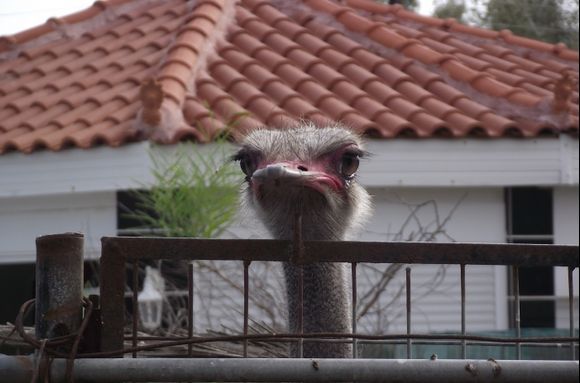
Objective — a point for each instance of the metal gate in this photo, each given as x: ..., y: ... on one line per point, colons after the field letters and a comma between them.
x: 104, y: 347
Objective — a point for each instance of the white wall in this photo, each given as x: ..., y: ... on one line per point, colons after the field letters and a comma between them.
x: 470, y: 215
x: 467, y: 215
x: 474, y: 215
x: 566, y: 215
x: 395, y: 163
x: 472, y: 162
x: 22, y: 219
x: 464, y: 215
x: 565, y: 233
x: 99, y: 169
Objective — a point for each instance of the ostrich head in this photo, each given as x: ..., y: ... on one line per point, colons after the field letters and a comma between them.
x: 305, y: 170
x: 309, y: 171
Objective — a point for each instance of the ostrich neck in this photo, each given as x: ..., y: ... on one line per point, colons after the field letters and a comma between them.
x: 326, y: 306
x: 326, y: 300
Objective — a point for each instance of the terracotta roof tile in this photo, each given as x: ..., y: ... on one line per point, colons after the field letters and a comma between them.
x: 222, y: 66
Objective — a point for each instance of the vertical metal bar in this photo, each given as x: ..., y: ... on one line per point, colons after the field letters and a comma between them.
x: 135, y: 303
x: 112, y: 289
x: 298, y: 255
x: 517, y: 318
x: 246, y: 305
x: 190, y: 286
x: 59, y: 284
x: 354, y: 303
x: 301, y: 310
x: 297, y: 241
x: 571, y: 308
x: 408, y: 295
x: 91, y: 341
x: 463, y: 333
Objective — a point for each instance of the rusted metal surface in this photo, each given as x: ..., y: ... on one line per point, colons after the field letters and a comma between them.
x: 571, y: 309
x: 190, y: 287
x: 118, y: 250
x: 246, y: 303
x: 91, y: 341
x: 19, y: 370
x: 408, y: 310
x: 59, y: 284
x: 463, y: 327
x: 130, y: 248
x: 135, y: 302
x: 112, y: 286
x: 320, y: 370
x: 354, y: 305
x: 517, y: 314
x: 299, y: 260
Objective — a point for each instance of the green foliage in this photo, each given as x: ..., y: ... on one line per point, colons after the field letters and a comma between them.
x: 194, y: 194
x: 408, y: 4
x: 552, y: 21
x: 451, y: 9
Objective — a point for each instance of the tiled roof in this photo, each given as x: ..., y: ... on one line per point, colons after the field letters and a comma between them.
x: 169, y: 70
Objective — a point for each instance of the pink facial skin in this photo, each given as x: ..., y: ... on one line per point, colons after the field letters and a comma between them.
x: 322, y: 174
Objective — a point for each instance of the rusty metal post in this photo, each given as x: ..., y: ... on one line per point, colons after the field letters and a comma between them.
x: 112, y: 288
x: 59, y: 284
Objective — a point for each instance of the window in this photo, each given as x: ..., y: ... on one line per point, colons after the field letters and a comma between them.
x: 18, y: 281
x: 127, y: 204
x: 530, y: 220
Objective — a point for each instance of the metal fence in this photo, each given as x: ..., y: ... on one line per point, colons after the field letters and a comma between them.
x: 100, y: 360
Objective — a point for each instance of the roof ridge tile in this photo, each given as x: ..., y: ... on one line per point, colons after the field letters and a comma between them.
x: 176, y: 77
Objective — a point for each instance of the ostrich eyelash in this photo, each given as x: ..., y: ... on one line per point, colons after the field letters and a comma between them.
x: 242, y: 155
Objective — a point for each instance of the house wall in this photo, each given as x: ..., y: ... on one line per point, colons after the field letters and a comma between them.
x: 466, y: 215
x: 466, y: 178
x: 460, y: 214
x: 394, y: 163
x: 472, y: 162
x: 475, y: 215
x: 22, y: 219
x: 436, y: 293
x: 566, y: 233
x: 455, y: 214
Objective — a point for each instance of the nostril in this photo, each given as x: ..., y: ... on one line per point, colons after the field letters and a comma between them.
x: 303, y: 168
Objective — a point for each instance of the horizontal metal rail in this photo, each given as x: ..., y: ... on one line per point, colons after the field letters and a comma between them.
x: 295, y: 370
x: 363, y: 338
x: 132, y: 248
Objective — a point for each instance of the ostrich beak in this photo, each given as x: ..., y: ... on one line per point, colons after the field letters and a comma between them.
x: 290, y: 174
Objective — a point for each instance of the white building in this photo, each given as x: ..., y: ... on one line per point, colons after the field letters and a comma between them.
x: 476, y: 129
x: 468, y: 182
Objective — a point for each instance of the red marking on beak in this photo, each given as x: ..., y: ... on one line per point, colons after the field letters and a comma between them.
x: 294, y: 174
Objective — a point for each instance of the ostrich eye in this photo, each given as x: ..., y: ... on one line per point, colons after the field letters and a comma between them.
x: 348, y: 165
x: 248, y: 166
x: 247, y: 162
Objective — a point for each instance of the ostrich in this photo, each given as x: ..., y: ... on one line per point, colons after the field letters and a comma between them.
x: 309, y: 171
